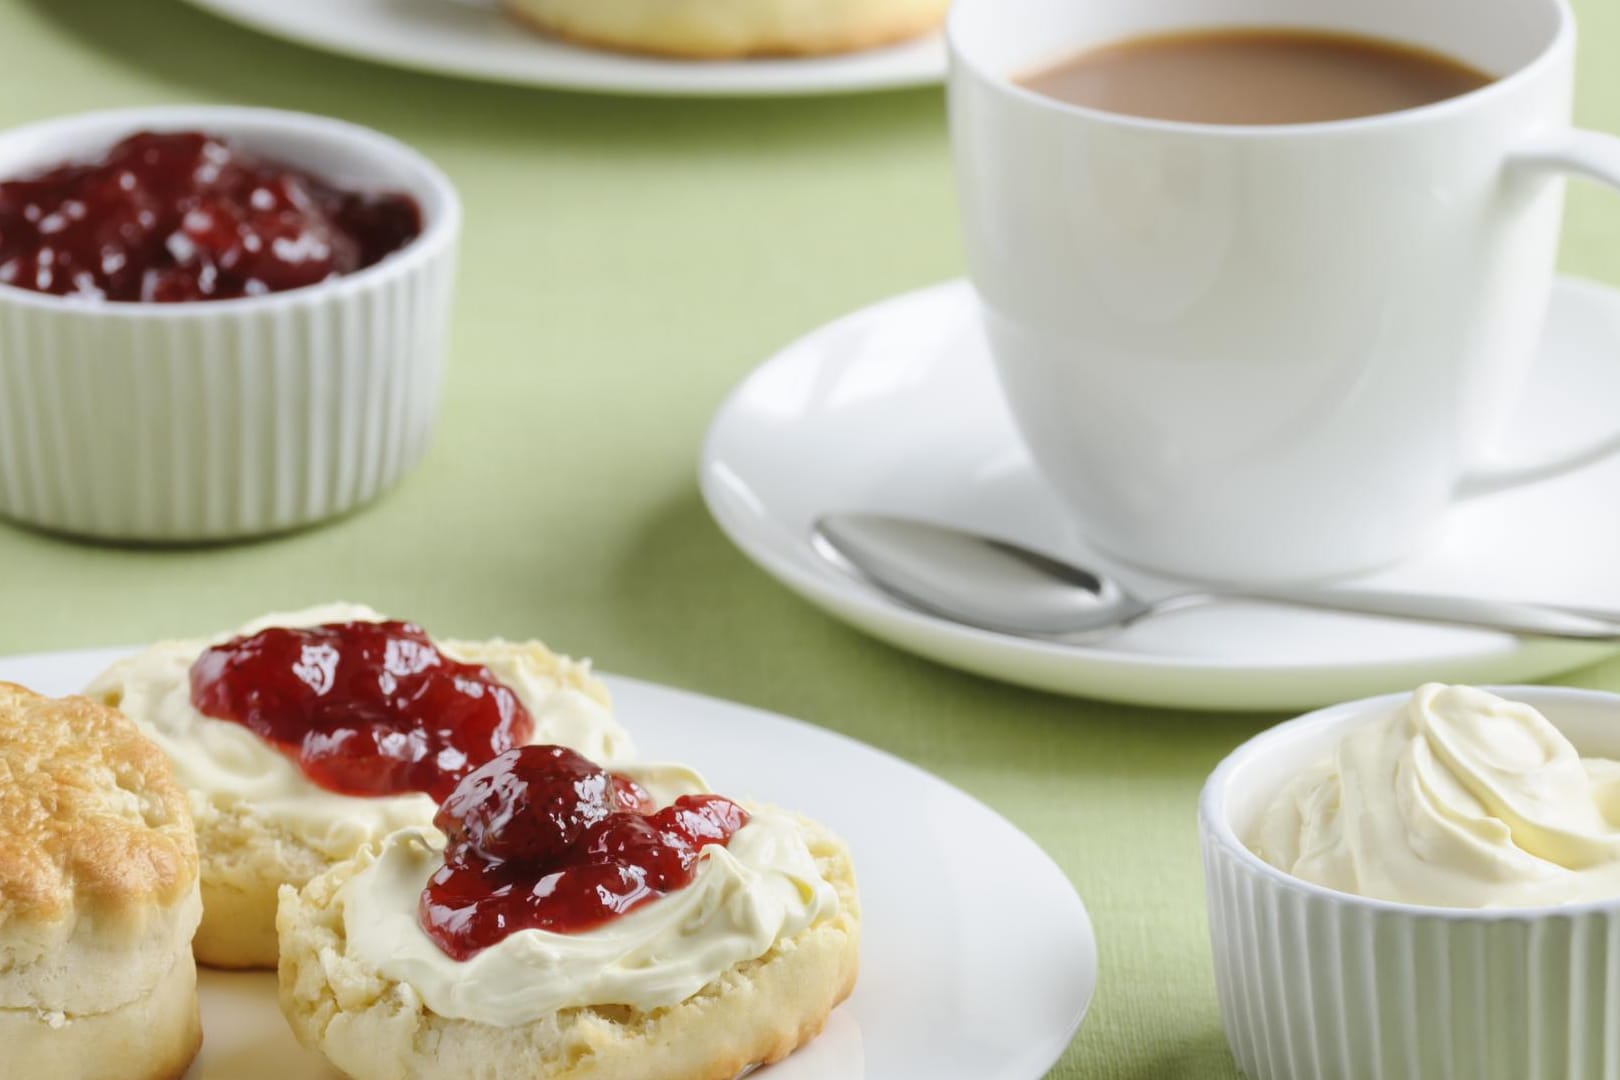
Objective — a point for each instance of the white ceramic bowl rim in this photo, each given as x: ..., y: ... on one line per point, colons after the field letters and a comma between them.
x: 1558, y: 45
x: 1214, y: 821
x: 432, y: 189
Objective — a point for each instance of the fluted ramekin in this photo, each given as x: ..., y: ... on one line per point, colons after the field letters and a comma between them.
x: 226, y: 419
x: 1315, y: 983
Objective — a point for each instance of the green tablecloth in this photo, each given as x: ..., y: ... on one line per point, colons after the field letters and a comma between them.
x: 625, y: 263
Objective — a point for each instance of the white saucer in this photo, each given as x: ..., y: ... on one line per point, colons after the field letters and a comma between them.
x: 471, y: 38
x: 896, y: 409
x: 977, y: 957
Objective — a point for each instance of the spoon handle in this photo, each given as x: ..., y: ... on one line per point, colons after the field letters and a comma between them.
x: 1513, y: 617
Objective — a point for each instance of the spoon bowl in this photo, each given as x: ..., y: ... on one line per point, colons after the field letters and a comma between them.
x: 975, y: 580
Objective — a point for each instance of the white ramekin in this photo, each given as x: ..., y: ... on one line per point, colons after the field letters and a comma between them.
x: 1317, y: 983
x: 226, y: 419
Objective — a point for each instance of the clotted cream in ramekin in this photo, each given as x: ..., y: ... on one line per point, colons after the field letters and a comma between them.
x: 1316, y: 982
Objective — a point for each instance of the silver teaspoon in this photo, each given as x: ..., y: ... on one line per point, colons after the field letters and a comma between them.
x: 997, y: 585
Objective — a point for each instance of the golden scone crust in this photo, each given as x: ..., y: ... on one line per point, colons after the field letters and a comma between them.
x: 247, y: 854
x: 98, y: 897
x: 721, y: 29
x: 756, y: 1013
x: 90, y: 812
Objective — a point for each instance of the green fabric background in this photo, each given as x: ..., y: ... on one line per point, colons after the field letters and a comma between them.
x: 625, y: 263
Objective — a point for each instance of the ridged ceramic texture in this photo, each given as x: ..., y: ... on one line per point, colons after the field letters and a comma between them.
x: 1318, y: 985
x: 205, y: 428
x: 1313, y: 988
x: 221, y: 420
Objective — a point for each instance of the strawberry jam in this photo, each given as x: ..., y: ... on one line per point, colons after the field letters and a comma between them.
x: 540, y: 838
x: 364, y: 708
x: 186, y: 216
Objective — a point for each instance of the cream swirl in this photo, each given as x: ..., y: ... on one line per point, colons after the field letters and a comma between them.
x: 760, y: 888
x: 1458, y: 798
x: 225, y: 766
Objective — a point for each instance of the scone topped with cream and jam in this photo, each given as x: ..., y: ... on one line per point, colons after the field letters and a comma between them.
x: 98, y: 897
x: 303, y: 737
x: 711, y: 29
x: 574, y: 923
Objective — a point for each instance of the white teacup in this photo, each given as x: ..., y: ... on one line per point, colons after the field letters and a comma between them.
x: 1260, y: 353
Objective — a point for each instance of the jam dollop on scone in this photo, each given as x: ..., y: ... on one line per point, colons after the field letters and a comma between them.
x: 713, y: 29
x: 98, y: 897
x: 572, y: 921
x: 541, y: 838
x: 303, y: 737
x: 365, y: 708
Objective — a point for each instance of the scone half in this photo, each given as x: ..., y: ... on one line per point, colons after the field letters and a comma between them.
x: 721, y: 29
x: 98, y: 897
x: 261, y: 823
x: 757, y: 1011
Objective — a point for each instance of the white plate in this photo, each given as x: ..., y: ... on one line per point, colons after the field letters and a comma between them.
x: 474, y: 40
x: 977, y: 957
x: 896, y: 409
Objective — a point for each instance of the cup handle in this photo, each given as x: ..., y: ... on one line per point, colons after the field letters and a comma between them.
x: 1576, y: 153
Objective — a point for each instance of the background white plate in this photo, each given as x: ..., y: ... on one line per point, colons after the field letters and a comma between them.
x: 896, y: 409
x: 476, y: 41
x: 977, y: 957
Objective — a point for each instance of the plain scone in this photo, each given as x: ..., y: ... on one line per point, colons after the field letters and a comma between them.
x: 757, y: 1012
x: 247, y: 854
x: 714, y: 29
x: 98, y: 897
